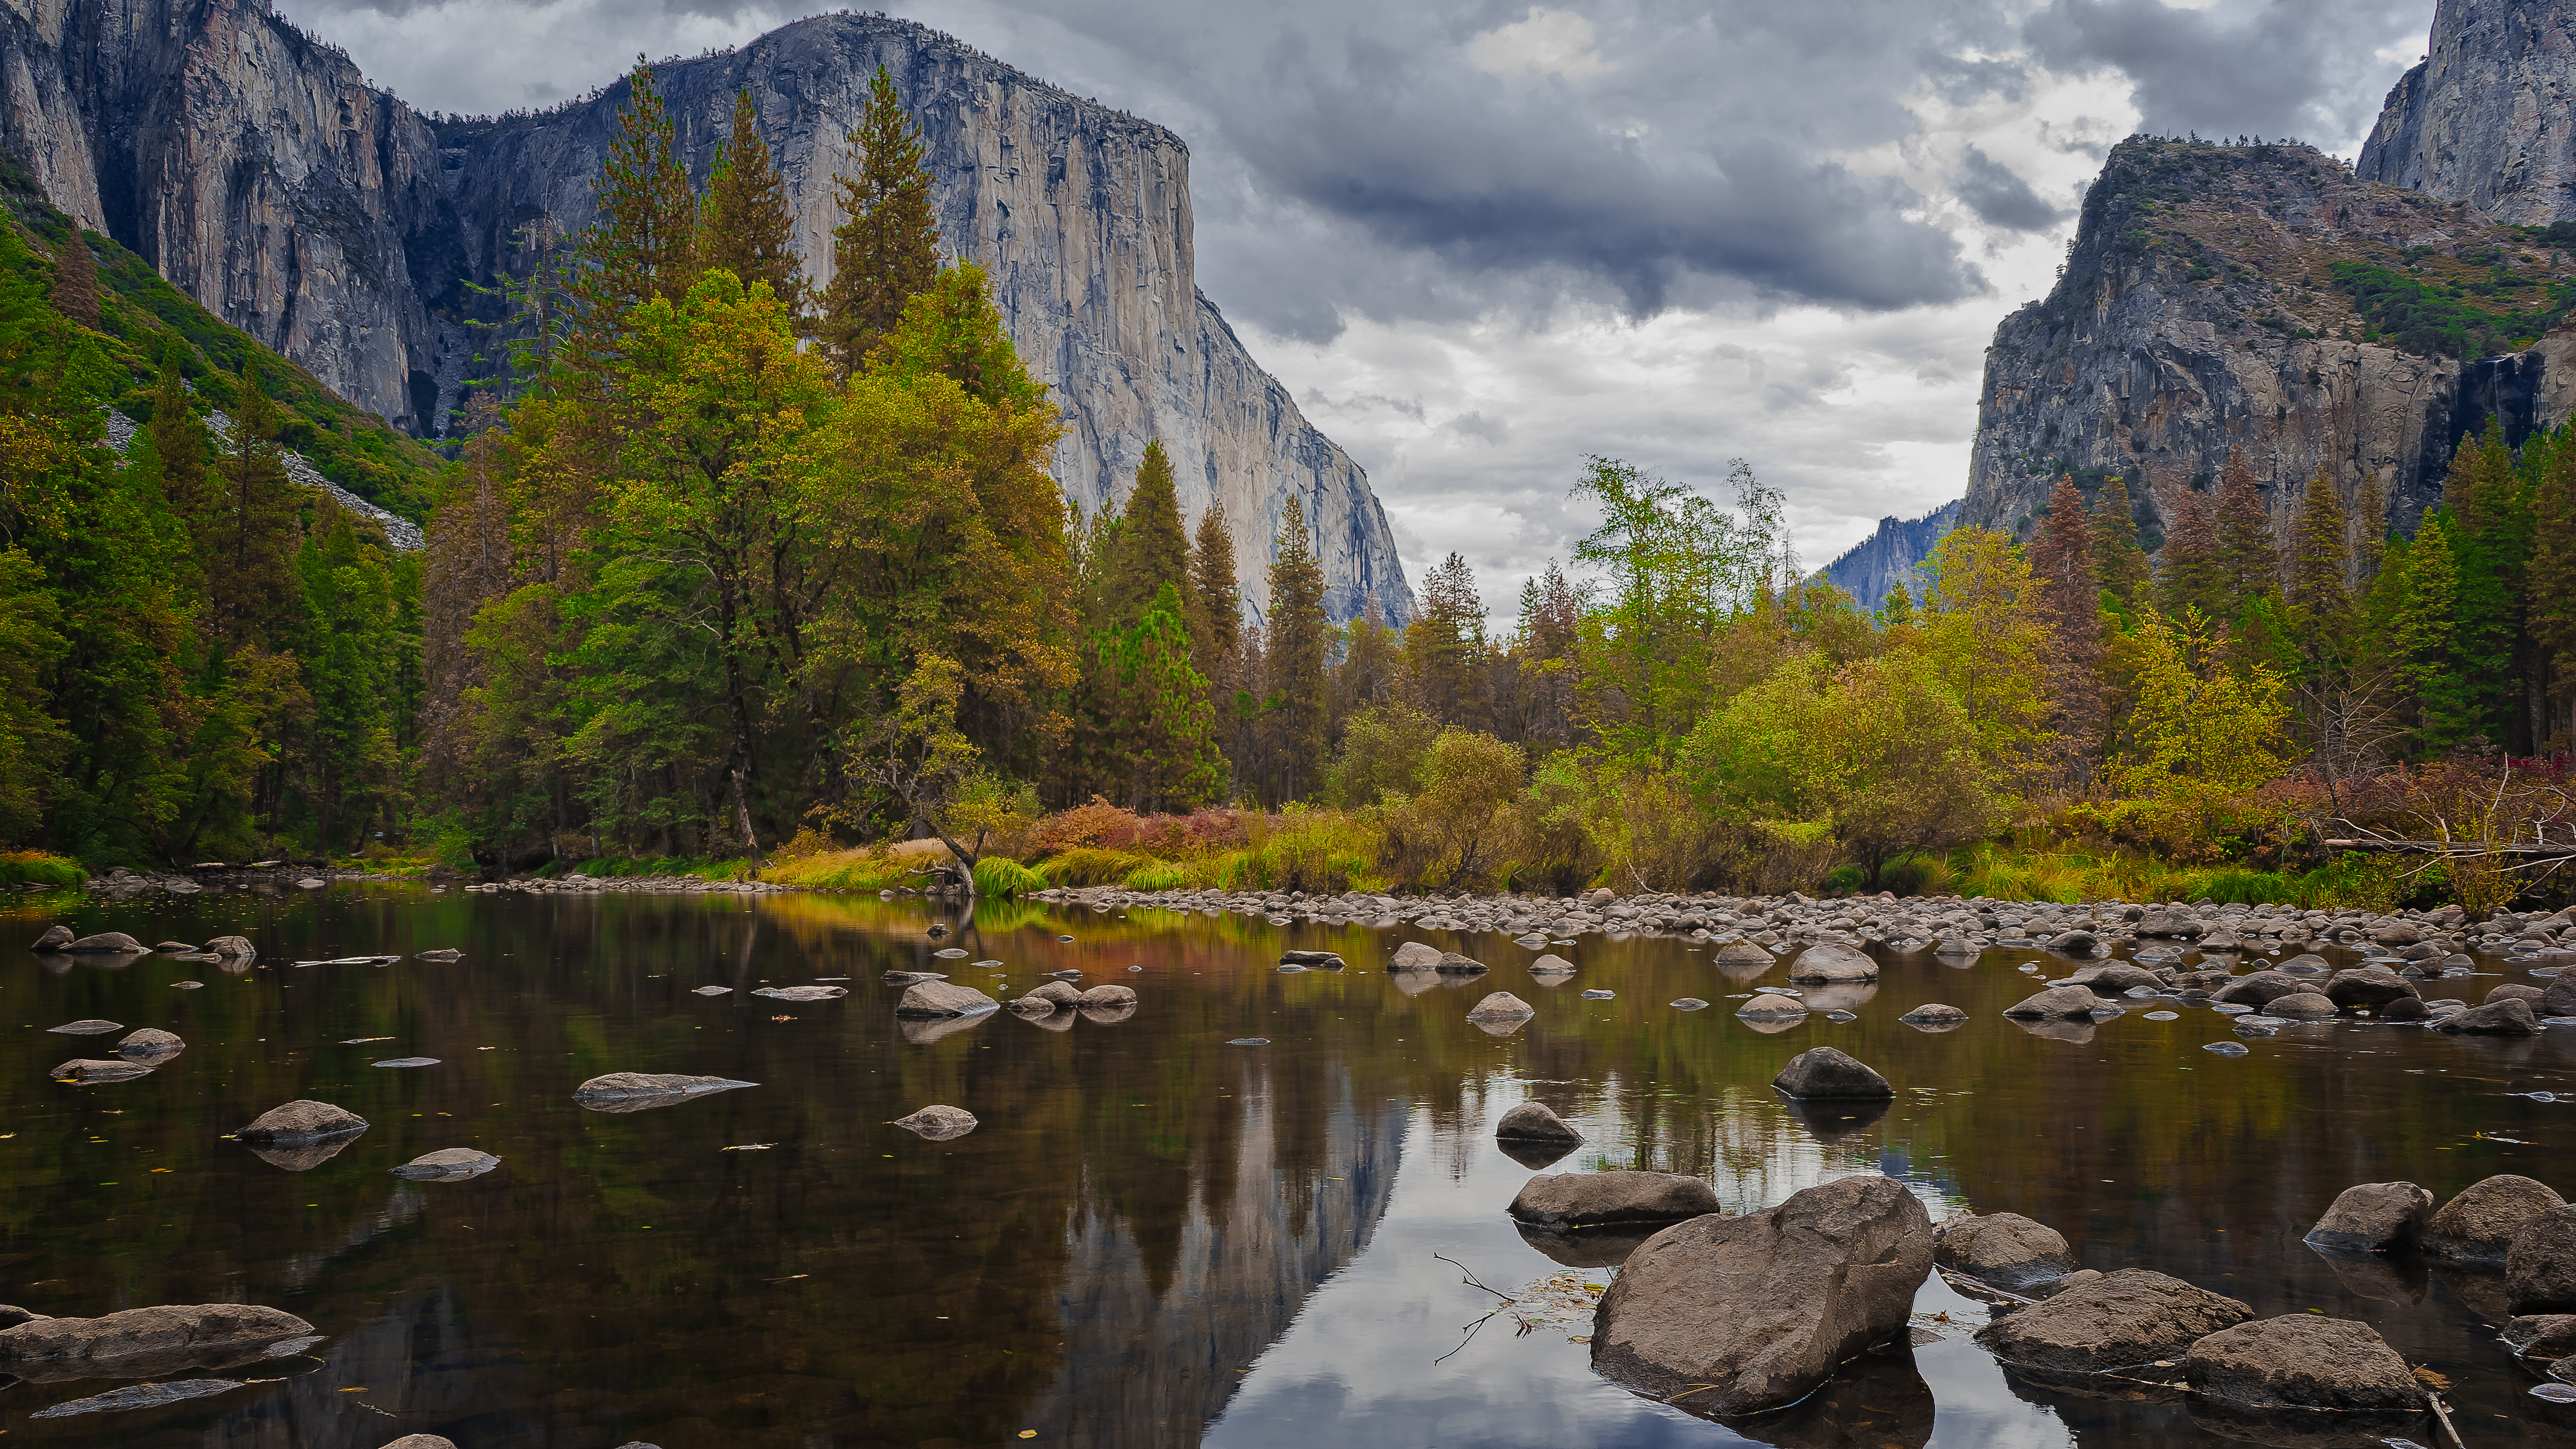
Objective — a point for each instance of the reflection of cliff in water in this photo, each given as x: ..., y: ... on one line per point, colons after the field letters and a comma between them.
x: 1156, y: 1331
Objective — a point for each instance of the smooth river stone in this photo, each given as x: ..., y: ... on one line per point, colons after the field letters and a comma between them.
x: 644, y: 1091
x: 448, y: 1164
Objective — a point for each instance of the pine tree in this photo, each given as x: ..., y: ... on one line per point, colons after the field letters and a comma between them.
x: 255, y: 530
x: 1150, y: 549
x: 2062, y: 557
x: 179, y: 440
x: 2321, y: 565
x: 748, y: 228
x: 2119, y: 565
x: 2553, y: 575
x: 645, y: 242
x: 2192, y: 569
x: 2426, y: 623
x: 1372, y: 669
x: 2370, y: 530
x: 76, y: 277
x: 886, y: 250
x: 1300, y: 686
x: 2249, y: 558
x: 1215, y: 603
x: 1444, y: 647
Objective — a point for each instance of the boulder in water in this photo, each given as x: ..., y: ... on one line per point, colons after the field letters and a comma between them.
x: 231, y: 947
x: 2373, y: 1217
x: 2368, y: 988
x: 1577, y: 1199
x: 2540, y: 1266
x: 938, y: 1123
x: 1822, y: 1073
x: 106, y: 943
x: 149, y: 1042
x: 2008, y: 1250
x: 1934, y: 1016
x: 1832, y: 961
x: 2509, y: 1017
x: 448, y: 1164
x: 92, y: 1027
x: 2302, y: 1006
x: 1534, y: 1122
x: 2057, y: 1003
x: 1107, y: 996
x: 2302, y: 1360
x: 89, y: 1072
x: 1727, y: 1316
x: 1415, y: 956
x: 803, y: 993
x: 644, y: 1091
x: 1502, y: 1006
x: 302, y: 1121
x: 53, y: 938
x: 925, y: 999
x: 1767, y: 1006
x: 146, y: 1342
x: 2133, y: 1316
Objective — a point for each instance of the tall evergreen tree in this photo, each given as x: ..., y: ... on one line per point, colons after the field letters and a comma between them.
x: 2119, y: 565
x: 2321, y: 560
x: 2249, y: 557
x: 1215, y: 602
x: 645, y: 242
x: 256, y: 528
x: 2192, y: 570
x: 2553, y: 578
x: 2062, y: 558
x: 886, y: 250
x: 76, y: 277
x: 2370, y: 530
x: 1150, y: 548
x: 748, y: 228
x: 1444, y: 646
x: 1300, y: 693
x: 179, y: 440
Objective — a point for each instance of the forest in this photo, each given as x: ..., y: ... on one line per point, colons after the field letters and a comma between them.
x: 738, y: 573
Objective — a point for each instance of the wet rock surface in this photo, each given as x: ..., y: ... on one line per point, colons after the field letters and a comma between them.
x: 2133, y: 1316
x: 1535, y: 1122
x: 2540, y: 1265
x: 1731, y: 1316
x: 939, y: 1123
x: 2302, y: 1360
x: 2477, y: 1225
x: 643, y: 1091
x: 302, y: 1121
x: 2008, y: 1250
x: 2373, y: 1217
x: 448, y: 1164
x: 1825, y: 1073
x: 1579, y: 1199
x: 943, y: 998
x: 146, y: 1342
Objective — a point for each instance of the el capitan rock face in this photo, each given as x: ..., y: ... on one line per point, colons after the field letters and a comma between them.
x: 253, y: 166
x: 2481, y: 118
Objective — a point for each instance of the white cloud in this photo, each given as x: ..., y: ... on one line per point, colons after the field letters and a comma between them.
x: 1545, y: 42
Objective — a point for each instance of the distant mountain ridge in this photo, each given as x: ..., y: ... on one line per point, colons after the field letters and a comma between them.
x: 255, y: 169
x: 1869, y: 569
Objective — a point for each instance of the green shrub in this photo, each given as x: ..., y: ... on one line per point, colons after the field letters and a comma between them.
x: 36, y: 867
x: 1160, y: 876
x: 1091, y: 866
x: 1000, y: 878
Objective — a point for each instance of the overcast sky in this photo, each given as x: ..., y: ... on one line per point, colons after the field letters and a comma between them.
x: 1480, y: 239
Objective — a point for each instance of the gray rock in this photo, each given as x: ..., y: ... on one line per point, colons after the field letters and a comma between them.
x: 2509, y: 1017
x: 1035, y: 1007
x: 1107, y: 996
x: 2368, y: 988
x: 1550, y: 966
x: 302, y: 1121
x: 2057, y: 1003
x: 148, y: 1043
x: 2171, y: 925
x: 2373, y: 1217
x: 2073, y: 943
x: 444, y: 953
x: 146, y: 1342
x: 803, y: 993
x: 1832, y: 961
x: 1502, y: 1006
x: 2005, y: 1249
x: 2516, y: 991
x: 644, y: 1091
x: 140, y: 1396
x: 448, y: 1164
x: 1687, y: 1003
x: 1822, y: 1073
x: 924, y: 999
x: 2302, y: 1360
x: 106, y: 943
x: 712, y: 991
x: 1579, y: 1199
x: 2113, y: 978
x: 2129, y: 1317
x: 92, y: 1027
x: 1765, y: 1006
x: 53, y: 938
x: 939, y: 1123
x: 421, y: 1441
x: 1742, y: 960
x: 2540, y: 1266
x: 1726, y: 1316
x: 2261, y: 988
x: 2301, y: 1004
x: 1534, y: 1122
x: 1415, y: 956
x: 87, y: 1071
x: 2405, y: 1008
x: 2478, y: 1225
x: 1453, y: 964
x: 231, y: 947
x: 2560, y: 998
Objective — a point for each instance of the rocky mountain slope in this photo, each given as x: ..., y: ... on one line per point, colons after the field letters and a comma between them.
x: 2263, y: 298
x: 2483, y: 118
x: 1868, y: 570
x: 253, y: 167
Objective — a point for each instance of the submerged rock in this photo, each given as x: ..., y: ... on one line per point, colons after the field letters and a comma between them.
x: 2373, y: 1217
x: 86, y: 1071
x: 1765, y: 1006
x: 2302, y: 1360
x: 943, y: 998
x: 1687, y: 1003
x: 939, y: 1123
x: 644, y: 1091
x: 2010, y: 1251
x: 2133, y: 1316
x: 448, y: 1164
x: 1111, y: 997
x: 146, y: 1342
x: 803, y: 993
x: 1742, y: 960
x: 1588, y: 1247
x: 2478, y: 1224
x: 140, y: 1396
x: 1502, y: 1006
x: 1534, y: 1122
x: 302, y: 1121
x: 712, y: 991
x: 1453, y: 964
x: 1731, y: 1316
x: 2301, y: 1005
x: 1577, y: 1199
x: 91, y: 1027
x: 1826, y: 1074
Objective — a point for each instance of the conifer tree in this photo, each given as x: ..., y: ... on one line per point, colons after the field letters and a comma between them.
x: 2192, y: 570
x: 886, y: 250
x: 76, y: 277
x: 1150, y: 549
x: 2427, y: 619
x: 1216, y: 603
x: 178, y: 440
x: 1371, y: 672
x: 2062, y: 558
x: 1300, y: 687
x: 2553, y: 577
x: 2370, y: 530
x: 2119, y: 565
x: 256, y: 528
x: 1444, y: 647
x: 2321, y: 564
x: 748, y: 228
x: 644, y: 244
x: 2250, y: 560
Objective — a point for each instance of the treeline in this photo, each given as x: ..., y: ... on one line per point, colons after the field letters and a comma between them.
x: 199, y: 656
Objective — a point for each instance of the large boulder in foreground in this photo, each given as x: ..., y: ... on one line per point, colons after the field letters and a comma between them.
x: 926, y: 999
x: 1729, y: 1316
x: 1824, y: 1074
x: 146, y: 1342
x: 2540, y: 1267
x: 1577, y: 1199
x: 302, y: 1121
x: 2478, y: 1225
x: 2005, y: 1249
x: 2133, y: 1316
x: 2373, y: 1217
x: 1833, y: 961
x: 2304, y: 1361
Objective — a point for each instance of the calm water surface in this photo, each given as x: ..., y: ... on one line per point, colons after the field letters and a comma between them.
x: 1155, y: 1238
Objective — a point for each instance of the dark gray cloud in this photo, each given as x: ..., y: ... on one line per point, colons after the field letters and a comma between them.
x: 2271, y: 68
x: 1999, y: 197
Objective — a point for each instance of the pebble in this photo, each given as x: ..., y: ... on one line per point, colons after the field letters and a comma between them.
x: 1249, y: 1041
x: 1596, y: 993
x: 2163, y: 1016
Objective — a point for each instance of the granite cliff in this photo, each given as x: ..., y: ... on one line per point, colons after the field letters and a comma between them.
x: 2484, y: 118
x: 1869, y: 569
x: 2263, y: 298
x: 255, y: 168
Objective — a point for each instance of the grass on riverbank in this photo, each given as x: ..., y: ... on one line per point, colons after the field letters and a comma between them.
x: 37, y: 867
x: 2374, y: 883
